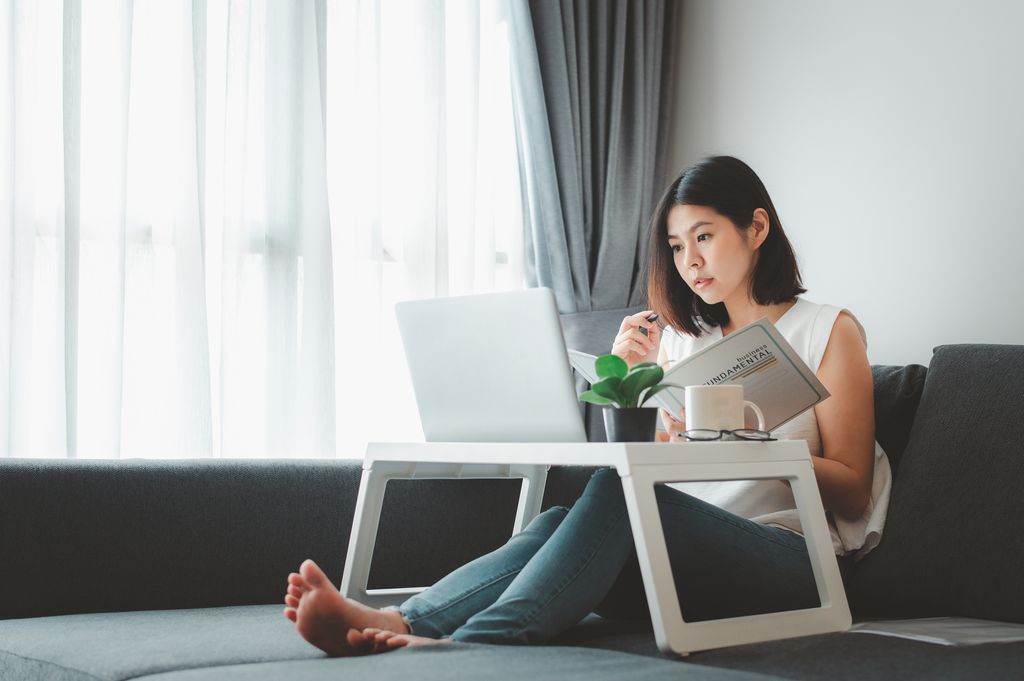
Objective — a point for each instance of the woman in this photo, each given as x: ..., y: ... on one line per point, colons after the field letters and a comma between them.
x: 718, y: 259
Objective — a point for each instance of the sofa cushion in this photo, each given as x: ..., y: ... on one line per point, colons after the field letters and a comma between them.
x: 472, y: 661
x: 124, y: 645
x: 852, y: 657
x: 897, y: 394
x: 835, y: 657
x: 952, y: 542
x: 257, y: 642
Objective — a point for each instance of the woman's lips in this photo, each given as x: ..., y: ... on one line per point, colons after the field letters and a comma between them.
x: 702, y: 283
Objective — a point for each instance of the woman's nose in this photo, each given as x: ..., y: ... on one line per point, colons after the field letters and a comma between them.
x: 695, y: 261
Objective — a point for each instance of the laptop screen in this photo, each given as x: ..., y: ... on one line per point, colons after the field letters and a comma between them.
x: 491, y: 368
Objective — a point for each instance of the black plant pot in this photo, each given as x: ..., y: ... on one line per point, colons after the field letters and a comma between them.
x: 630, y: 425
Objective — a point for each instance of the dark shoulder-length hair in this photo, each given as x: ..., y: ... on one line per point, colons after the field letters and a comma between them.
x: 732, y: 189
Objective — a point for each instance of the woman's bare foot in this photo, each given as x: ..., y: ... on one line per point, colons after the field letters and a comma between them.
x: 331, y: 622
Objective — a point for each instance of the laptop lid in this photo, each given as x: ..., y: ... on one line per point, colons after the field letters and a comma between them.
x: 491, y: 368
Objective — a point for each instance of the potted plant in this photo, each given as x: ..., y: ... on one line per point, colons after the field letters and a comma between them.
x: 622, y: 391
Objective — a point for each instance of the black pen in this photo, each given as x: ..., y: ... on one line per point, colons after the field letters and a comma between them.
x: 652, y: 318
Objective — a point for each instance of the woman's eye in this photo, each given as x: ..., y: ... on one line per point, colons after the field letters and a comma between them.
x: 676, y: 248
x: 703, y: 237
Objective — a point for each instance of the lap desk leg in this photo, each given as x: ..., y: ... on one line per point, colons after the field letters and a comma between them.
x: 369, y: 502
x: 674, y: 635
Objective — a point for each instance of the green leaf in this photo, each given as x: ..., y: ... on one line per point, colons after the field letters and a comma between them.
x: 611, y: 365
x: 657, y: 389
x: 647, y: 369
x: 638, y: 380
x: 594, y: 398
x: 609, y: 389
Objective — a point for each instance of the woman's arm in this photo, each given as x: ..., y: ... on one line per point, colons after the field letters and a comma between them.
x: 846, y: 421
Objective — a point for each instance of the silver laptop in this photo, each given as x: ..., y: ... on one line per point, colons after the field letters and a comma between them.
x: 491, y: 368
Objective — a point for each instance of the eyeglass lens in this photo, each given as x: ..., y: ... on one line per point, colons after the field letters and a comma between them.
x: 702, y: 434
x: 752, y: 434
x: 706, y: 434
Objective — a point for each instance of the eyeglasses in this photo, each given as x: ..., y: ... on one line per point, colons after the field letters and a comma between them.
x: 708, y: 435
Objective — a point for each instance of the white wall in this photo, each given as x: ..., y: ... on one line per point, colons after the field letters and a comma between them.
x: 890, y: 135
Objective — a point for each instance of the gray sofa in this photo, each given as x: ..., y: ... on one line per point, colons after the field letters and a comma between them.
x: 175, y: 570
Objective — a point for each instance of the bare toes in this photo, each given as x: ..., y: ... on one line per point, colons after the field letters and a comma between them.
x: 295, y: 579
x: 360, y: 641
x: 312, y: 574
x: 291, y: 601
x: 402, y: 640
x: 380, y: 640
x: 295, y: 591
x: 398, y: 641
x: 291, y: 614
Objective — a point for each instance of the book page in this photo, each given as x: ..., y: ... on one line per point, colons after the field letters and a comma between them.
x: 584, y: 363
x: 948, y: 631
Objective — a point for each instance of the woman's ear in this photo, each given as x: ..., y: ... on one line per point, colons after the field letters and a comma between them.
x: 759, y: 225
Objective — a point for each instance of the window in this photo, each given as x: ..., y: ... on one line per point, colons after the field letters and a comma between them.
x: 215, y: 208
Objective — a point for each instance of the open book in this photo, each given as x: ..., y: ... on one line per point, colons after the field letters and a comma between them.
x: 757, y: 357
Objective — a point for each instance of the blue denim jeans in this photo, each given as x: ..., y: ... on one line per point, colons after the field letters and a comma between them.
x: 568, y: 563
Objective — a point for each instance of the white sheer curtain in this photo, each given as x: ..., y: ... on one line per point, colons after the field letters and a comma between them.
x: 208, y: 210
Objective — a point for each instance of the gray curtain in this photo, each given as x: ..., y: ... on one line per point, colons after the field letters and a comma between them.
x: 592, y: 91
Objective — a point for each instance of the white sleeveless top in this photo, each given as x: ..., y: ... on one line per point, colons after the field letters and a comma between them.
x: 807, y: 326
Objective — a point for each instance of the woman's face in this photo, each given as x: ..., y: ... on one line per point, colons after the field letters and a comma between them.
x: 712, y: 256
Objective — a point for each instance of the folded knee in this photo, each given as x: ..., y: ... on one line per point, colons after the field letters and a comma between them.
x: 604, y: 483
x: 547, y: 522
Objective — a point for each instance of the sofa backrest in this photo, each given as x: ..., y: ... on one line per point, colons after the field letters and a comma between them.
x: 138, y: 535
x: 897, y: 394
x: 107, y: 536
x: 952, y: 543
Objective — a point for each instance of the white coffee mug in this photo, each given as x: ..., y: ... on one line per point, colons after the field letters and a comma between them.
x: 718, y: 407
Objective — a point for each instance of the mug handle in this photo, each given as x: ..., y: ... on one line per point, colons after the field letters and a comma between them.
x: 757, y: 412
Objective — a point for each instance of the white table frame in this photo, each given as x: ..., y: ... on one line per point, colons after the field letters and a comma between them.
x: 641, y: 466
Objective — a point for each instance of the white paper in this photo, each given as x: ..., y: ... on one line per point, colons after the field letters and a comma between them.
x: 758, y: 357
x: 946, y: 631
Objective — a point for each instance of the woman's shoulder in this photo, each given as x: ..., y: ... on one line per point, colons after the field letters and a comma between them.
x: 811, y: 327
x: 823, y: 317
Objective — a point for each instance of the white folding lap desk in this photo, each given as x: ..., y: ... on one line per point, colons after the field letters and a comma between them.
x: 641, y: 466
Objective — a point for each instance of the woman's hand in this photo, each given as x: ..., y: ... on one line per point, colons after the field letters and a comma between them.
x: 632, y: 345
x: 673, y: 426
